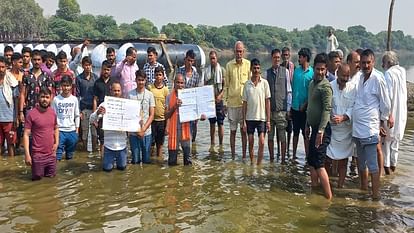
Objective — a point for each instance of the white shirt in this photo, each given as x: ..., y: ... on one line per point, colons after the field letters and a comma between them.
x: 114, y: 140
x: 332, y: 44
x: 396, y: 80
x: 372, y: 104
x: 341, y: 138
x: 67, y: 112
x: 146, y: 100
x: 343, y: 100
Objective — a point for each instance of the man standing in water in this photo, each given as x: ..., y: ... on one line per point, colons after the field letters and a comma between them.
x: 353, y: 60
x: 301, y: 79
x: 288, y: 64
x: 192, y: 79
x: 256, y: 109
x: 178, y: 133
x: 237, y: 73
x: 395, y: 76
x: 41, y: 124
x: 318, y: 112
x: 115, y: 147
x: 341, y: 146
x: 280, y: 102
x: 371, y: 110
x: 215, y: 77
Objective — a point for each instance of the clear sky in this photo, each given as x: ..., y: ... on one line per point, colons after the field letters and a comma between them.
x: 289, y: 14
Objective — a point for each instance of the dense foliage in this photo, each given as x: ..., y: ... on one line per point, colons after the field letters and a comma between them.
x: 68, y: 23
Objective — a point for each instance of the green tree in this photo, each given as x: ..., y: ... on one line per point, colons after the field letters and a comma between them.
x: 60, y: 29
x: 68, y: 10
x: 21, y: 19
x: 144, y: 28
x: 108, y: 27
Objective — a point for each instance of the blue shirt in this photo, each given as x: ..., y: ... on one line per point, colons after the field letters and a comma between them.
x: 300, y: 84
x: 85, y: 90
x: 6, y: 110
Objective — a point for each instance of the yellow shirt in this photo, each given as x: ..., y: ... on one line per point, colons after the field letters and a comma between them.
x: 159, y: 95
x: 235, y: 78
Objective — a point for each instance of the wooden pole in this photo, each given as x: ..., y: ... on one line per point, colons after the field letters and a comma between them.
x: 390, y: 25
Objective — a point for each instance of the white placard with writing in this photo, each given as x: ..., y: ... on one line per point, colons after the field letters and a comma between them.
x: 195, y: 102
x: 121, y: 114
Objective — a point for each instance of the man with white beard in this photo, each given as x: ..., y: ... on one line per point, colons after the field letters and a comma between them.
x: 396, y: 78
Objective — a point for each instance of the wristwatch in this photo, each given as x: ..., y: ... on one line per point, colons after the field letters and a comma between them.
x: 320, y: 131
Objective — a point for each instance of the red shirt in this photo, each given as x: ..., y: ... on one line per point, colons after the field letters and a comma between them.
x: 57, y: 76
x: 42, y: 125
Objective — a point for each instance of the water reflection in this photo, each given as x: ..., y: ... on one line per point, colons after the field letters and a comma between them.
x: 216, y: 194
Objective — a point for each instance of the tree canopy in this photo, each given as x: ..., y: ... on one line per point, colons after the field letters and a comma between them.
x: 21, y: 19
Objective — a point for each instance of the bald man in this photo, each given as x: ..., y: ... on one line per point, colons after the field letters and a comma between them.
x: 341, y: 146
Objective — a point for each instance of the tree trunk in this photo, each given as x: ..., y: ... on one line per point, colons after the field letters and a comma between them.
x: 390, y: 25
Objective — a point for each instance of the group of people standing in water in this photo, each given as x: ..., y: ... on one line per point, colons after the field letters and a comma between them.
x: 345, y: 109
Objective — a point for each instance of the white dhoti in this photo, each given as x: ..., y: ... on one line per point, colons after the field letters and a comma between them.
x: 341, y: 146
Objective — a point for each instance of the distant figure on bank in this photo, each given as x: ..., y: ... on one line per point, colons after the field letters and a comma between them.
x: 396, y: 79
x: 332, y: 42
x: 371, y: 111
x: 256, y: 109
x: 41, y: 124
x: 318, y: 112
x: 281, y: 99
x: 140, y: 141
x: 341, y: 146
x: 115, y: 147
x: 237, y: 74
x: 158, y: 125
x: 301, y: 79
x: 66, y: 107
x: 215, y: 77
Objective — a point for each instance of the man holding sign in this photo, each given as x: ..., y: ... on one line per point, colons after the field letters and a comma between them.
x: 178, y: 132
x: 115, y: 147
x: 141, y: 141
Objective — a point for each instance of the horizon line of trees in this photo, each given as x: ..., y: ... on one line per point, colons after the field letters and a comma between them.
x: 24, y: 20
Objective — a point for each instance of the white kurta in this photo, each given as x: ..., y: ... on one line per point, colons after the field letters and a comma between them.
x: 372, y: 104
x: 341, y: 139
x: 395, y: 78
